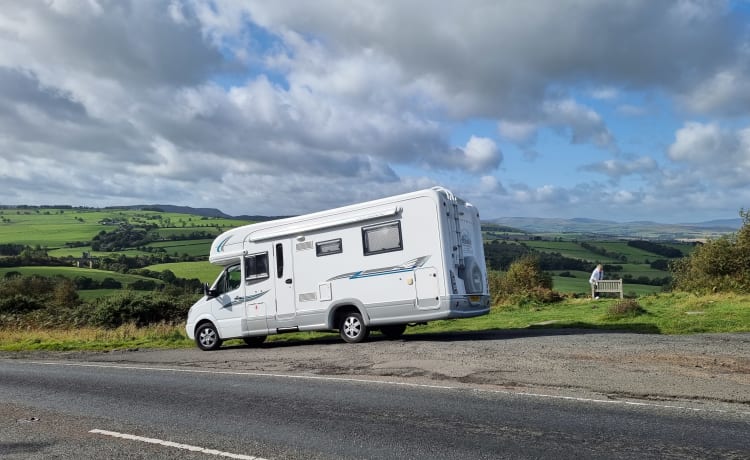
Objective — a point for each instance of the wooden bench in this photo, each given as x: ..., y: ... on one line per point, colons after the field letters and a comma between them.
x: 607, y: 286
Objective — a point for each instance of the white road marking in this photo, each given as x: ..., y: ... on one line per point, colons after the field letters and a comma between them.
x: 405, y: 384
x: 176, y: 445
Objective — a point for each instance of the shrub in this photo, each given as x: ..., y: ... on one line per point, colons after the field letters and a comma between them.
x: 20, y: 303
x: 139, y: 309
x: 627, y: 308
x: 718, y: 265
x: 524, y: 282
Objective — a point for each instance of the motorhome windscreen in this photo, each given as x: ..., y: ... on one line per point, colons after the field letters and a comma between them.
x: 382, y: 238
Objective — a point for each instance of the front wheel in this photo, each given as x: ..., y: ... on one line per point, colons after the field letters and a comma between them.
x: 207, y: 337
x: 352, y: 329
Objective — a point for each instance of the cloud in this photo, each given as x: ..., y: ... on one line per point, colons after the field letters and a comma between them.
x: 518, y: 132
x: 584, y: 124
x: 616, y: 169
x: 726, y: 92
x: 605, y: 93
x: 479, y: 154
x: 718, y: 155
x: 119, y: 101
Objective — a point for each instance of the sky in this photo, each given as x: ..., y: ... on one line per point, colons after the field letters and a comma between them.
x: 619, y: 110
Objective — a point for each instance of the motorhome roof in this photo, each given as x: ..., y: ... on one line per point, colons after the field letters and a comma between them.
x: 298, y: 225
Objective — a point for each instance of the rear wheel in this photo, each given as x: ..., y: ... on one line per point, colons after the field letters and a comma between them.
x: 254, y: 341
x: 207, y: 337
x: 394, y: 331
x: 352, y: 329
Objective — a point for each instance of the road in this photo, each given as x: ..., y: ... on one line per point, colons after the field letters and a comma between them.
x: 72, y: 409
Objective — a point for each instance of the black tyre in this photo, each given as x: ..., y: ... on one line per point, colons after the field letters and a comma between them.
x: 207, y: 337
x: 394, y: 331
x: 352, y: 329
x: 254, y: 341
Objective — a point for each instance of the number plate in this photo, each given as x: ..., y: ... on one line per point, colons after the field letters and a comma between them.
x: 474, y: 298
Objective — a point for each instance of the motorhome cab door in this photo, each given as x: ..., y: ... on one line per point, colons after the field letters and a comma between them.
x: 258, y: 291
x: 283, y: 278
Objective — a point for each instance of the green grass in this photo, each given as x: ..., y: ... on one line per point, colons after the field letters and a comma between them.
x: 189, y: 247
x: 204, y: 271
x: 73, y: 272
x: 670, y: 313
x: 53, y: 228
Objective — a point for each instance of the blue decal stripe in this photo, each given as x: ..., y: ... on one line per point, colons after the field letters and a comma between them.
x: 408, y: 266
x: 220, y: 246
x: 245, y: 299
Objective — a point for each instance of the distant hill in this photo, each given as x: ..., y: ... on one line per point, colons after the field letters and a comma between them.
x: 203, y: 212
x: 606, y: 228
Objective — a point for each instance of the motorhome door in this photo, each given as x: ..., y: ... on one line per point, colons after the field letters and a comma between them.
x: 283, y: 275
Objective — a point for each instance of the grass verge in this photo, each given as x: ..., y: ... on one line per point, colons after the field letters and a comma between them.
x: 671, y: 313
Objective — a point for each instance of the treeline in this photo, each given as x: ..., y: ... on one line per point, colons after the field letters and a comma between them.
x: 499, y: 255
x: 126, y: 236
x: 35, y: 301
x: 656, y: 248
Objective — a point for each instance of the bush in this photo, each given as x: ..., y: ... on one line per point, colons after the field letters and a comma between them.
x: 140, y: 309
x: 20, y: 303
x: 721, y: 265
x: 627, y: 308
x: 524, y: 282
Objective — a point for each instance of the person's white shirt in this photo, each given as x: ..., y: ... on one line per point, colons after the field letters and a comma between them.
x: 596, y: 275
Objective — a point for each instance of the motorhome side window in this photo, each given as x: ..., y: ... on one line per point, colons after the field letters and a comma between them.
x: 382, y: 238
x: 256, y: 266
x: 327, y: 248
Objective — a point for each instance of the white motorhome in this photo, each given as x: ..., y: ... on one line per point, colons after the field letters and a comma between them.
x: 382, y: 264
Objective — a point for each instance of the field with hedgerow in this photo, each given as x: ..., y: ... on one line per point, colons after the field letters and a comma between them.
x: 101, y: 279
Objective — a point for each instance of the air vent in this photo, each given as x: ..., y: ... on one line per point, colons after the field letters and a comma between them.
x: 304, y: 246
x: 308, y: 297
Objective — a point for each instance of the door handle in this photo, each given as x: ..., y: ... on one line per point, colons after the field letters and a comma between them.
x: 288, y: 281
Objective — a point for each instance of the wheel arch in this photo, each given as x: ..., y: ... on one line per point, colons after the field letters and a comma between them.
x: 205, y: 320
x: 342, y: 307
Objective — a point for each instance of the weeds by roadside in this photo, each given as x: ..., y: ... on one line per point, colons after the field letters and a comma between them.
x: 627, y: 308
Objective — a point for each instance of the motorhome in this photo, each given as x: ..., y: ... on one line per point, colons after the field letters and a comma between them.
x: 379, y: 265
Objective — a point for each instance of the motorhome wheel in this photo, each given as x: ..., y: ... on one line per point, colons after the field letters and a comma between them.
x: 207, y: 337
x: 352, y: 328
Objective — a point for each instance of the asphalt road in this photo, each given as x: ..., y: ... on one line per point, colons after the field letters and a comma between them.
x: 49, y: 410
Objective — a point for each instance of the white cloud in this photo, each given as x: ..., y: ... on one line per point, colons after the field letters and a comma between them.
x: 616, y: 168
x: 584, y: 124
x: 717, y: 155
x: 480, y: 154
x: 518, y: 132
x: 144, y: 101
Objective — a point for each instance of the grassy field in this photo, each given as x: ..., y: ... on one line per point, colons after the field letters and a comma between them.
x: 73, y: 272
x: 204, y: 271
x: 53, y: 228
x: 678, y: 313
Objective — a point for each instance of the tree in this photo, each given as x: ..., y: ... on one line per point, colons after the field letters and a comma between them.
x: 721, y: 265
